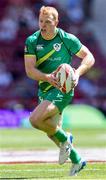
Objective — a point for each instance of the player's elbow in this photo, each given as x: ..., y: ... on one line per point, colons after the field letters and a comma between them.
x: 28, y: 73
x: 92, y: 60
x: 89, y: 59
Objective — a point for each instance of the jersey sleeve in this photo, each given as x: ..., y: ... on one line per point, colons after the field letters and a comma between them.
x: 29, y: 47
x: 74, y: 44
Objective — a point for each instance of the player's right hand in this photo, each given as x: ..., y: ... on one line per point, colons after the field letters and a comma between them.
x: 53, y: 80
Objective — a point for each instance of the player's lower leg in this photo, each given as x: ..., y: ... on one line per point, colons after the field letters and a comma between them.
x: 74, y: 156
x: 64, y: 146
x: 67, y: 150
x: 55, y: 140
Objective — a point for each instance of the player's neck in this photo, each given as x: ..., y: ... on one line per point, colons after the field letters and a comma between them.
x: 50, y: 36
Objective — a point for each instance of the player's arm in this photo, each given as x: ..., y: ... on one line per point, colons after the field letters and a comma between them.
x: 33, y: 73
x: 87, y: 60
x: 31, y: 70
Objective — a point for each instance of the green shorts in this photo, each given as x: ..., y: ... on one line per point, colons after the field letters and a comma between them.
x: 61, y: 100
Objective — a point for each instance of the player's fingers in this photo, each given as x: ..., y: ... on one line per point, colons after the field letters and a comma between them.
x: 54, y: 80
x: 54, y: 77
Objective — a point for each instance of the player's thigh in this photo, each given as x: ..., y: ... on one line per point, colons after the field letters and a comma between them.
x: 44, y: 110
x: 59, y: 99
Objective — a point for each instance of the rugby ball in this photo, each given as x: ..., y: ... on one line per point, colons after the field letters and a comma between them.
x: 66, y: 74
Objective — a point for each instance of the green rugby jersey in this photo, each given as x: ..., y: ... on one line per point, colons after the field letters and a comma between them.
x: 51, y: 53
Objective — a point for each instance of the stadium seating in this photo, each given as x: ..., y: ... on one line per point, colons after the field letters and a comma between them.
x: 11, y: 53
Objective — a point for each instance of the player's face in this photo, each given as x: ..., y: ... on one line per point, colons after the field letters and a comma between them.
x: 47, y: 25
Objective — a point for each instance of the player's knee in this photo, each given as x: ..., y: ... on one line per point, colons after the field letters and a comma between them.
x: 34, y: 121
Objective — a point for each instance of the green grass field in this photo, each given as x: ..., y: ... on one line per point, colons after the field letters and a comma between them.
x: 51, y: 171
x: 27, y: 139
x: 30, y: 139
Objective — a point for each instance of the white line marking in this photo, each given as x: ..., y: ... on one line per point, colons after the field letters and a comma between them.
x: 95, y: 154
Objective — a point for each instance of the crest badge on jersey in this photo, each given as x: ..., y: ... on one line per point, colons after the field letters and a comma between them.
x: 57, y: 46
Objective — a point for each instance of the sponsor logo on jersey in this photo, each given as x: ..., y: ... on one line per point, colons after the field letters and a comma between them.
x: 39, y: 47
x: 57, y: 46
x: 55, y: 59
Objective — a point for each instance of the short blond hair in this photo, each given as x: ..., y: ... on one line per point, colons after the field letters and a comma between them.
x: 48, y: 10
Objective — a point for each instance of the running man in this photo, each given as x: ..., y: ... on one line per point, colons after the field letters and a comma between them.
x: 45, y: 50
